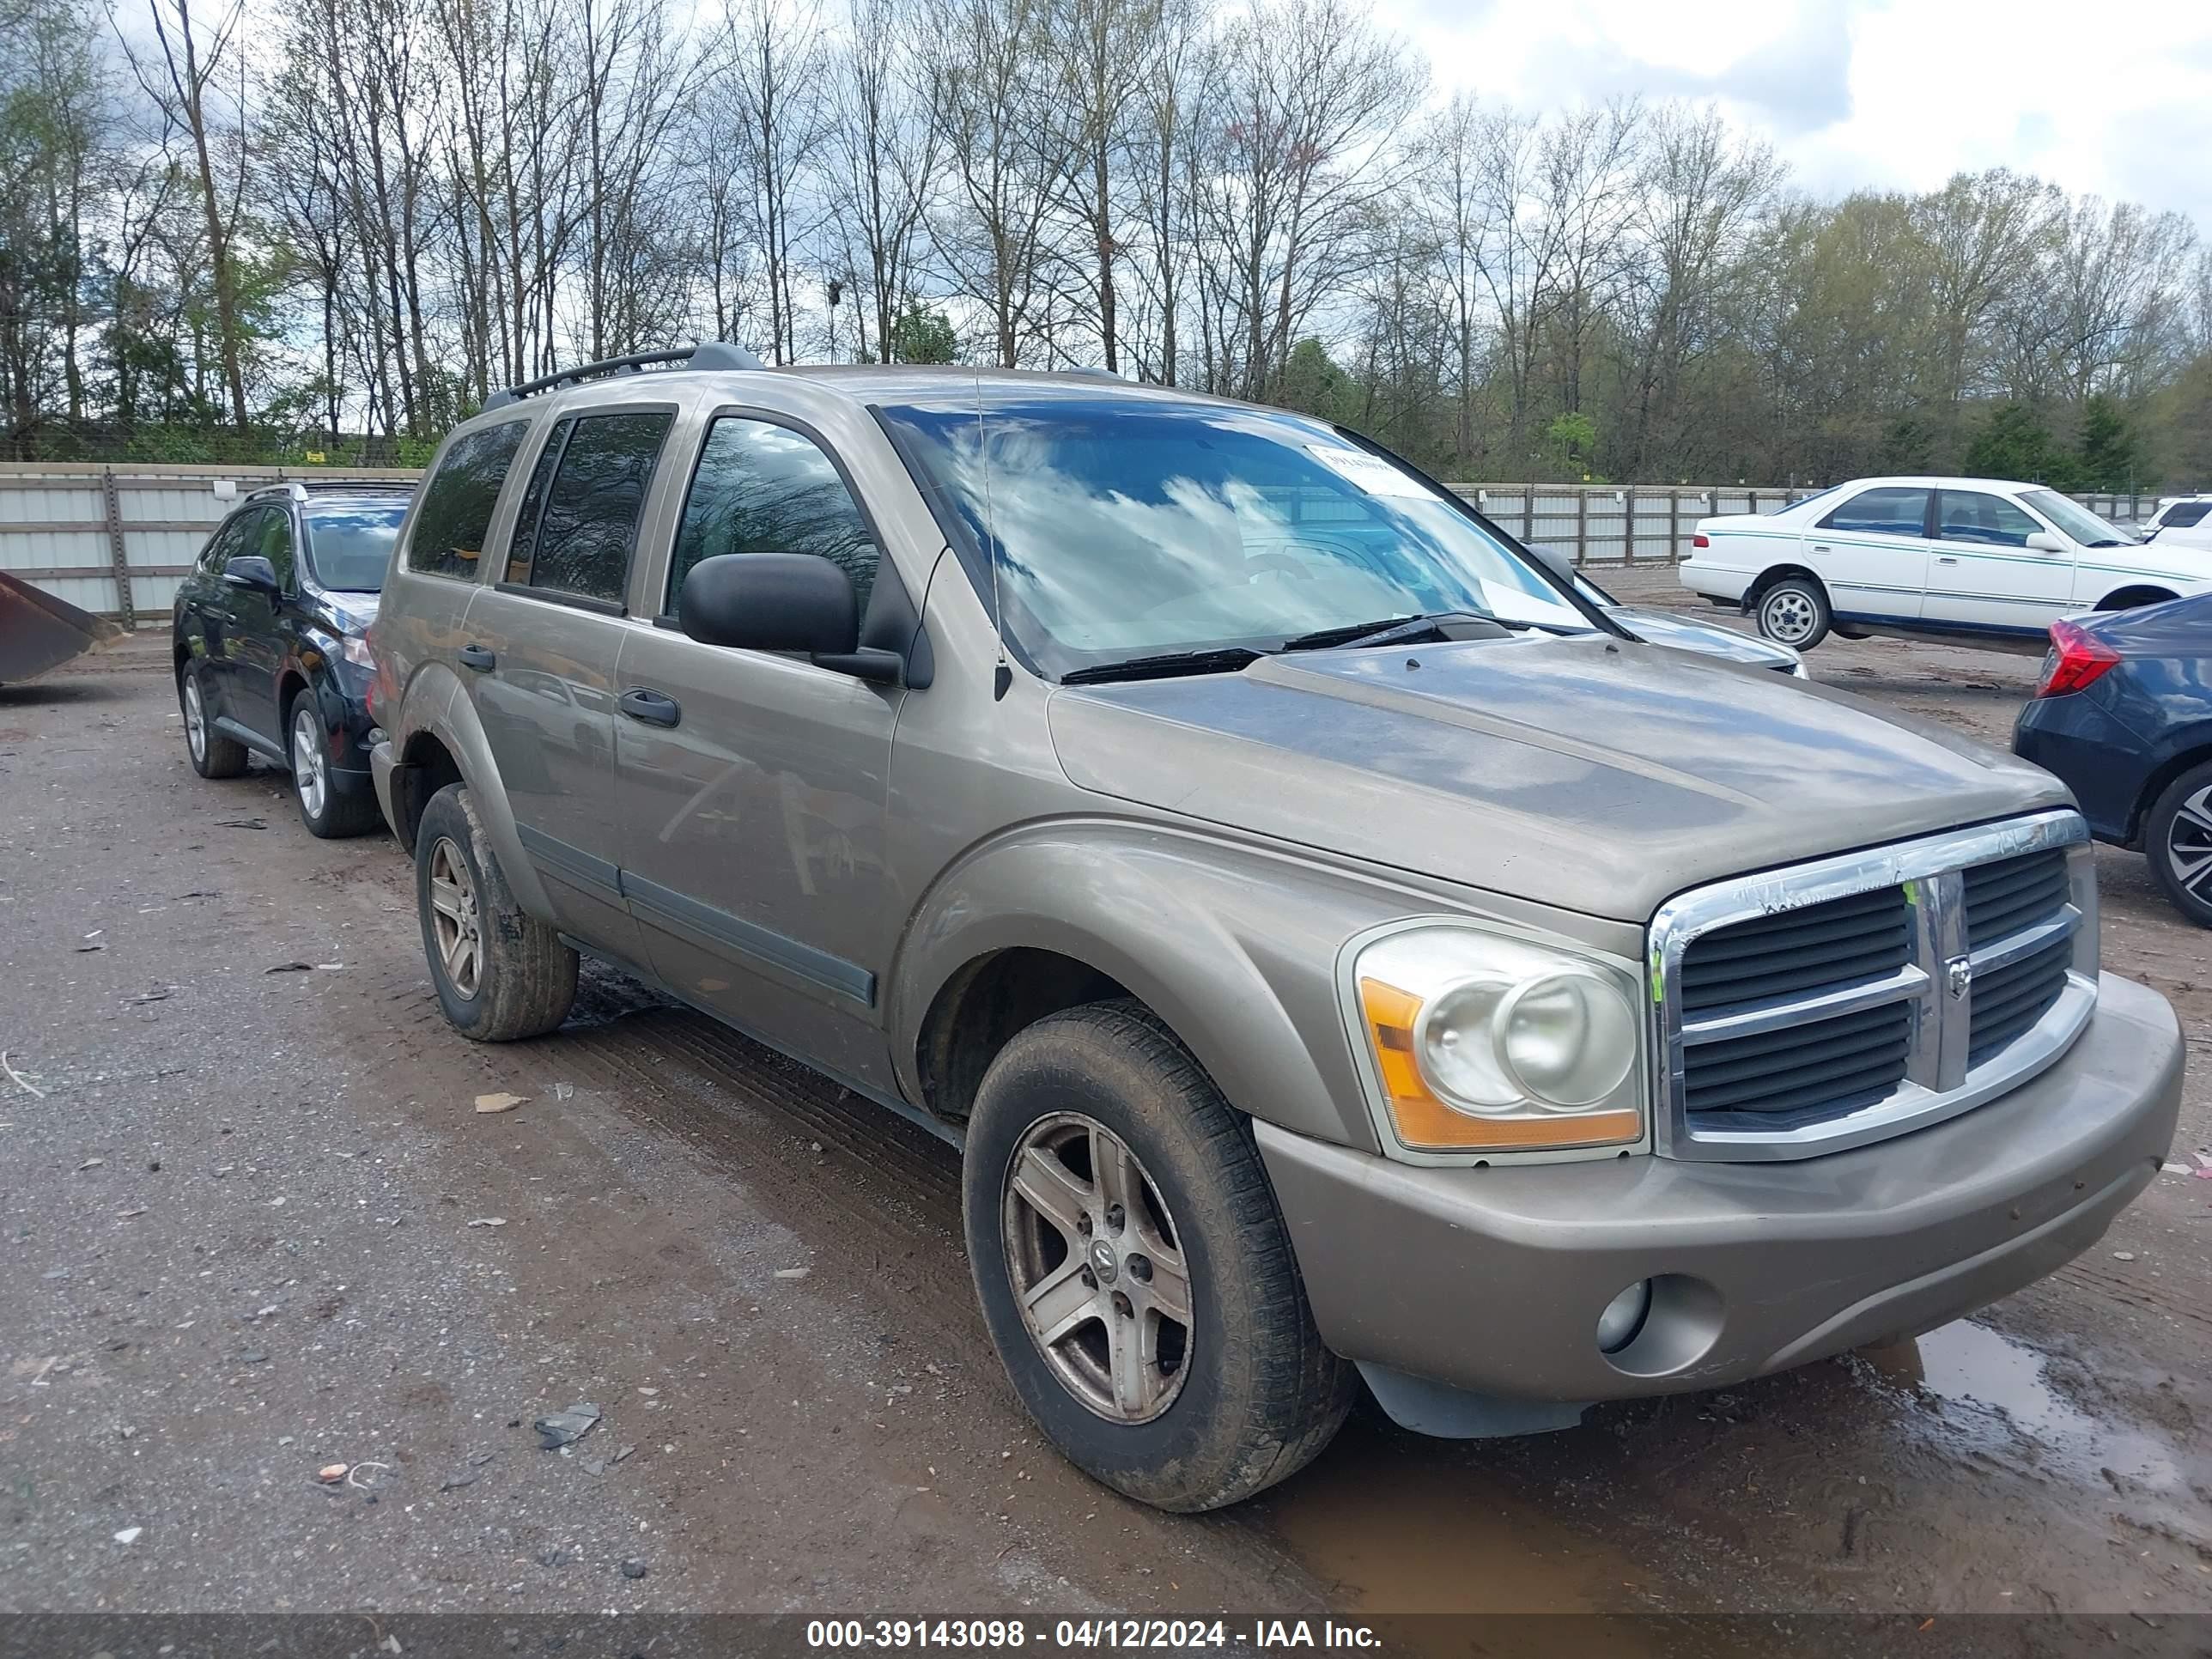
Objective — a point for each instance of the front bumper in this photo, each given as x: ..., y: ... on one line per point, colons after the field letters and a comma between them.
x: 1492, y: 1279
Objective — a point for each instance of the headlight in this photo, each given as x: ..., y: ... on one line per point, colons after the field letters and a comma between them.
x: 357, y: 652
x: 1491, y: 1041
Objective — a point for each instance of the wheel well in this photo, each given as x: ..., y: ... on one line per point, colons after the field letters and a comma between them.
x: 2157, y: 784
x: 426, y: 766
x: 182, y: 660
x: 982, y: 1008
x: 287, y: 687
x: 2127, y: 599
x: 1774, y: 574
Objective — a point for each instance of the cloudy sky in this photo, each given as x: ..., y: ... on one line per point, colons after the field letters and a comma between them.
x: 2114, y: 96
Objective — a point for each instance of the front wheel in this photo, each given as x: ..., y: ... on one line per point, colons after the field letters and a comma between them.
x: 1795, y: 611
x: 2178, y: 839
x: 326, y: 810
x: 1133, y: 1269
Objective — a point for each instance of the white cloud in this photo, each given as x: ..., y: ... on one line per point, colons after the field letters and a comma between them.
x: 1874, y: 93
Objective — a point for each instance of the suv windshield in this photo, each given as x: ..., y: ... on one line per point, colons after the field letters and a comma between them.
x: 1132, y: 529
x: 2076, y: 520
x: 349, y: 543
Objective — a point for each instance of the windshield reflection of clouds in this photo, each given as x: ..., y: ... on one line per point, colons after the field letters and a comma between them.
x: 1128, y: 530
x: 350, y: 546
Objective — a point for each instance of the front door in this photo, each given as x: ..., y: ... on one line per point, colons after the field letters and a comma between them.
x: 539, y: 660
x: 753, y: 784
x: 1872, y: 553
x: 1983, y: 577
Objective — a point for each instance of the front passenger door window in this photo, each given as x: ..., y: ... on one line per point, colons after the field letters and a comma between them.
x: 767, y: 489
x: 1983, y: 575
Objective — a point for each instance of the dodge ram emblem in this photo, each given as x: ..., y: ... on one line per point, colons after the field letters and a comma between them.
x: 1959, y: 970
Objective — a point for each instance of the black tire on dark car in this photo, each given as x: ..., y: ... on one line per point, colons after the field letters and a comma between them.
x: 1244, y: 1393
x: 2178, y: 839
x: 500, y: 973
x: 214, y: 754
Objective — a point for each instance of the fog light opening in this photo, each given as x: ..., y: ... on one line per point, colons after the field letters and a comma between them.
x: 1624, y: 1316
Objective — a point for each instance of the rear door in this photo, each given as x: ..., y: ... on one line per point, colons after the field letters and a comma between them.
x: 1983, y: 577
x: 1872, y: 552
x: 539, y: 659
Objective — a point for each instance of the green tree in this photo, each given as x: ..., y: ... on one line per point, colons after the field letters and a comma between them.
x: 2015, y: 443
x: 2110, y: 457
x: 1314, y: 383
x: 923, y: 335
x: 1575, y: 435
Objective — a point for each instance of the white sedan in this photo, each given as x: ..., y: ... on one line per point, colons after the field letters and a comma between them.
x: 1985, y: 562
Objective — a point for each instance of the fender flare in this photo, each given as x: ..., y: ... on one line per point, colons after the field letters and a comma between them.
x: 1233, y: 950
x: 435, y: 702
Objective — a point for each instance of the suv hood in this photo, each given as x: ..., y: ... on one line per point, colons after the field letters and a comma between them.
x: 1579, y: 773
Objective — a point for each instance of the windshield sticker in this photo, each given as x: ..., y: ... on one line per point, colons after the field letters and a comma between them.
x: 1371, y: 473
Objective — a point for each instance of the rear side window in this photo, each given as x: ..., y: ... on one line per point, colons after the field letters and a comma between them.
x: 1890, y: 511
x: 2183, y: 515
x: 1972, y: 515
x: 579, y: 524
x: 767, y: 489
x: 457, y: 503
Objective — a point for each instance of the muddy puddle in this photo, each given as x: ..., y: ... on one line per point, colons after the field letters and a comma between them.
x: 1995, y: 1396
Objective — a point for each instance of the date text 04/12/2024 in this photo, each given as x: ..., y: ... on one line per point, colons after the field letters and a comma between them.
x: 1087, y: 1633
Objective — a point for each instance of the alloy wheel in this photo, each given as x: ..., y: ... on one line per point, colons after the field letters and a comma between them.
x: 1787, y: 617
x: 310, y: 765
x: 1097, y: 1269
x: 2189, y: 845
x: 456, y: 924
x: 195, y: 720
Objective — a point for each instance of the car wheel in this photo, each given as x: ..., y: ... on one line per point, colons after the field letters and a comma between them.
x: 2178, y: 839
x: 323, y: 808
x: 214, y: 754
x: 1795, y: 611
x: 500, y: 973
x: 1133, y: 1269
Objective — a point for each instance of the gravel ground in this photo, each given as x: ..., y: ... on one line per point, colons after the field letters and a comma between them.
x: 256, y: 1228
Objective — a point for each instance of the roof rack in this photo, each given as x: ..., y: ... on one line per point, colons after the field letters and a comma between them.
x: 709, y: 354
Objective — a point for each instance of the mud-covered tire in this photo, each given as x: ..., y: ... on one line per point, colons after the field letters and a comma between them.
x: 1795, y: 611
x: 330, y: 813
x: 2177, y: 838
x: 1259, y: 1395
x: 213, y: 755
x: 524, y: 978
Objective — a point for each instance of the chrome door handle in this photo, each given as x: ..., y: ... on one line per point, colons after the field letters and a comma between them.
x: 1945, y: 558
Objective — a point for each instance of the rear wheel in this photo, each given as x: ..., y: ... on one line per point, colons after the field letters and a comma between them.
x: 1795, y: 611
x: 325, y: 810
x: 1133, y: 1269
x: 2178, y: 839
x: 500, y: 973
x: 214, y: 754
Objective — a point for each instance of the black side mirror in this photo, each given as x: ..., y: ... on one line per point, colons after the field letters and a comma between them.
x: 252, y: 570
x: 770, y: 602
x: 1555, y: 562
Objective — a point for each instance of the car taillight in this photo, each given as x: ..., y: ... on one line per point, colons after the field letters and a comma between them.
x: 1700, y: 541
x: 2078, y: 658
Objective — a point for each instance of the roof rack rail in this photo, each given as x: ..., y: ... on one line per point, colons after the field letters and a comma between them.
x: 709, y: 354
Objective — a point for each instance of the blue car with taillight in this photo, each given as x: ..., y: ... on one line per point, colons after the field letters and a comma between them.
x: 2123, y: 714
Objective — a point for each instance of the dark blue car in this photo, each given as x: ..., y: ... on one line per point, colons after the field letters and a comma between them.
x: 2123, y: 715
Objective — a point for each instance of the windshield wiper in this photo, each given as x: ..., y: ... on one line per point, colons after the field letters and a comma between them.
x: 1224, y: 660
x: 1391, y: 630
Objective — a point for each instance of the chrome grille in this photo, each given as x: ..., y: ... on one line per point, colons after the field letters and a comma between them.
x: 1842, y: 1001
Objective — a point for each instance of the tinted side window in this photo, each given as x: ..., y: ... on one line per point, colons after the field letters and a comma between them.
x: 524, y: 542
x: 2186, y: 514
x: 1887, y: 511
x: 457, y: 503
x: 589, y: 527
x: 1970, y: 515
x: 766, y: 489
x: 272, y: 540
x: 224, y: 542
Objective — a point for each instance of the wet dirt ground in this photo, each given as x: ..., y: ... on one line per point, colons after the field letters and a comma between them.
x: 254, y: 1226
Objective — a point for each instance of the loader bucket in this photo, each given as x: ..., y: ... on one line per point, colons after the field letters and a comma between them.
x: 38, y: 631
